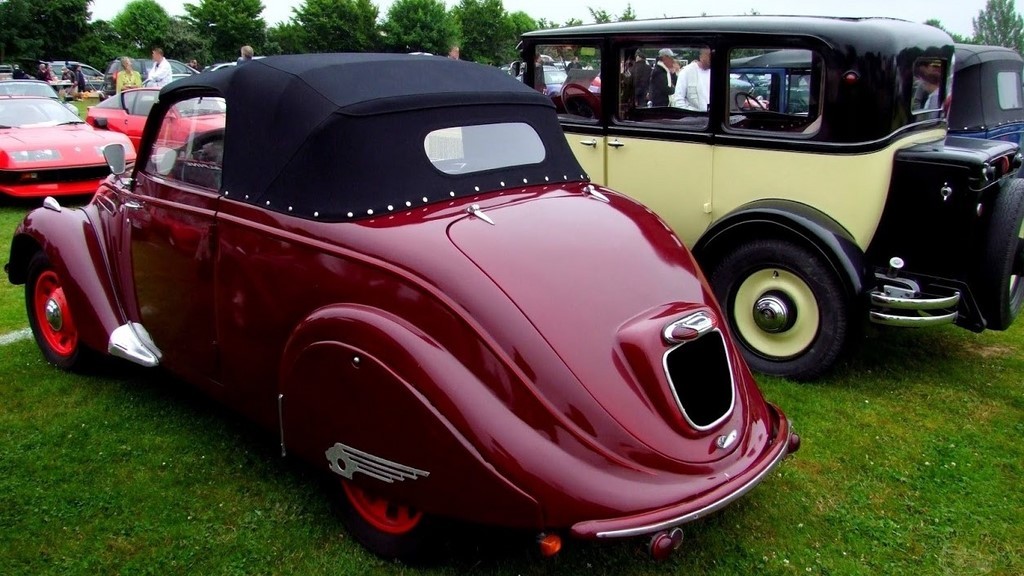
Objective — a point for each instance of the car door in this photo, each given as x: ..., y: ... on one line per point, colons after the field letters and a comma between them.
x: 167, y: 259
x: 138, y: 111
x: 660, y: 155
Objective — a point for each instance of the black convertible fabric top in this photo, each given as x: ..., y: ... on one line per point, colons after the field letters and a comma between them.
x: 336, y: 136
x: 975, y: 104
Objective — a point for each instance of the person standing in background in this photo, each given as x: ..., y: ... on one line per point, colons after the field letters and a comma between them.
x: 161, y: 74
x: 128, y: 77
x: 245, y: 55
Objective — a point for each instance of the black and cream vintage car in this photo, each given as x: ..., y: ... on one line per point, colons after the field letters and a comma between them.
x: 805, y: 161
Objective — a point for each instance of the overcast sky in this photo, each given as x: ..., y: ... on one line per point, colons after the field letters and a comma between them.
x: 955, y: 15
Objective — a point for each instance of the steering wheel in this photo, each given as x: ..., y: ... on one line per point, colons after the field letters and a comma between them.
x: 743, y: 100
x: 201, y: 140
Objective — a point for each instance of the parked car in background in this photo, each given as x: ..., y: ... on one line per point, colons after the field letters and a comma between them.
x: 988, y: 101
x: 218, y: 65
x: 93, y: 77
x: 825, y: 195
x: 47, y: 150
x: 142, y: 66
x: 148, y: 82
x: 10, y: 88
x: 367, y: 307
x: 6, y: 71
x: 125, y: 113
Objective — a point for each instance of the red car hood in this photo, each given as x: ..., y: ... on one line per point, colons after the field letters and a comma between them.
x: 596, y: 282
x: 79, y: 145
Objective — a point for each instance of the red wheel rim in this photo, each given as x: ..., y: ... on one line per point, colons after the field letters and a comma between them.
x: 382, y: 514
x: 62, y: 338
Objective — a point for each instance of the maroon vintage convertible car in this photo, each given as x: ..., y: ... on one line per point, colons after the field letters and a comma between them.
x: 395, y: 264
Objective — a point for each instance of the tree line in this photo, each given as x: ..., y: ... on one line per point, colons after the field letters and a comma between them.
x: 213, y: 30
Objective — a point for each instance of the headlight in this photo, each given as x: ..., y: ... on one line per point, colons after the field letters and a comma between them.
x: 35, y: 155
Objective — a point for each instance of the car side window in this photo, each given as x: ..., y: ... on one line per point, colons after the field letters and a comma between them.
x: 178, y: 68
x: 774, y: 90
x: 1008, y: 90
x: 142, y: 103
x: 128, y: 100
x: 570, y: 74
x: 665, y: 84
x: 189, y: 147
x: 928, y: 89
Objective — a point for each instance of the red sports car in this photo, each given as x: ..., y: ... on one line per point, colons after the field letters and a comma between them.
x: 396, y: 264
x: 47, y: 150
x: 127, y: 112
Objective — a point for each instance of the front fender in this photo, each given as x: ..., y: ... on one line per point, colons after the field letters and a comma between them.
x: 792, y: 220
x: 69, y: 240
x: 360, y: 377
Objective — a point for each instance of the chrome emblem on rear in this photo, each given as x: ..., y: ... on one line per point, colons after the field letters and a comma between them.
x: 346, y: 461
x: 688, y: 328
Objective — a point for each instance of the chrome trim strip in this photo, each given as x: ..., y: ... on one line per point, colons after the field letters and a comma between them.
x: 899, y: 303
x: 732, y: 382
x: 346, y: 461
x: 280, y: 422
x: 710, y: 508
x: 911, y: 321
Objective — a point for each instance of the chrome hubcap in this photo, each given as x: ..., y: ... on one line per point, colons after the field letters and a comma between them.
x: 53, y: 315
x: 772, y: 313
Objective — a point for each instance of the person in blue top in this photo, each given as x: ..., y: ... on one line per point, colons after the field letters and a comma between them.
x: 246, y: 55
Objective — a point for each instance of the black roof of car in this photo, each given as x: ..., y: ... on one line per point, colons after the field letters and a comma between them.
x: 883, y: 35
x: 326, y: 135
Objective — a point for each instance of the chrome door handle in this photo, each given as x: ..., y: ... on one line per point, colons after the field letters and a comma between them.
x: 132, y: 205
x: 592, y: 143
x: 616, y: 144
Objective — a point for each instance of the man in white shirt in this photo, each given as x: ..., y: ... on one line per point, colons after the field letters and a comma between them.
x: 693, y: 89
x: 161, y: 74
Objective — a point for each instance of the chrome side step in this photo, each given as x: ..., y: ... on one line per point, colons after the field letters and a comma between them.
x: 132, y: 342
x: 911, y: 321
x: 905, y: 303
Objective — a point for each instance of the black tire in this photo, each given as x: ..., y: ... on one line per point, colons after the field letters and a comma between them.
x: 806, y: 340
x: 417, y: 545
x: 57, y: 334
x: 1000, y: 289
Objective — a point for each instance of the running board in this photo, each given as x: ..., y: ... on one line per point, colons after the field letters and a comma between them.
x: 132, y: 342
x: 911, y: 321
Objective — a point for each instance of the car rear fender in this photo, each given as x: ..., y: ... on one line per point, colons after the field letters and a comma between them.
x: 375, y: 400
x: 789, y: 220
x: 68, y: 238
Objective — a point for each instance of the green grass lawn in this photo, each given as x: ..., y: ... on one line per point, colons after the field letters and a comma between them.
x: 911, y: 464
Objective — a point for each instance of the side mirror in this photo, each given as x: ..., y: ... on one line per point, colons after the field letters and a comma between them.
x: 114, y: 155
x: 517, y: 68
x: 163, y: 160
x: 101, y: 122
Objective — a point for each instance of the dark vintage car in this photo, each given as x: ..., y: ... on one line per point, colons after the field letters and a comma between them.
x: 395, y: 264
x: 824, y: 196
x: 988, y: 99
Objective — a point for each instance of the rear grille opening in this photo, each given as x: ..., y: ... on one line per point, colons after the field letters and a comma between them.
x: 700, y: 377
